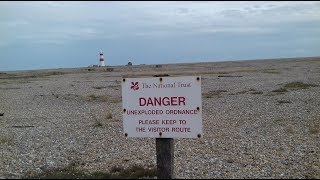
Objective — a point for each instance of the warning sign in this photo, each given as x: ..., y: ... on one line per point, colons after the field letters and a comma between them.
x: 162, y: 107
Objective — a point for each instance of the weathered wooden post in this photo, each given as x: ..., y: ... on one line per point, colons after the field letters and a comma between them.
x: 165, y: 158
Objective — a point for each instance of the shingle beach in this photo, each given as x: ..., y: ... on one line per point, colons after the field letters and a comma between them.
x: 261, y: 119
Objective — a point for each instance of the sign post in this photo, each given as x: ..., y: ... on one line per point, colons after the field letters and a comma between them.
x: 165, y: 158
x: 163, y: 108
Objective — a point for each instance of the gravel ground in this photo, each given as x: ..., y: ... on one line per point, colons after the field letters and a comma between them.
x: 252, y: 128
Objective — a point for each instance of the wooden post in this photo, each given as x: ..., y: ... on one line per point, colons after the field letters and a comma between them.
x: 165, y: 154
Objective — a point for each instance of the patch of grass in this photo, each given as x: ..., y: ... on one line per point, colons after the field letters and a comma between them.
x: 104, y: 98
x: 10, y: 88
x: 210, y: 94
x: 219, y: 73
x: 26, y: 78
x: 115, y: 100
x: 51, y: 73
x: 99, y: 87
x: 252, y: 70
x: 3, y: 82
x: 96, y: 123
x: 270, y: 71
x: 280, y: 90
x: 249, y: 70
x: 70, y: 172
x: 298, y: 85
x: 109, y: 115
x: 240, y: 92
x: 109, y: 69
x: 315, y: 129
x: 290, y: 130
x: 257, y: 92
x: 14, y: 81
x: 253, y: 91
x: 5, y: 140
x: 134, y: 172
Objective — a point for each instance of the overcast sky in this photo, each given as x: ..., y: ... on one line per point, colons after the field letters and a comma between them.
x: 44, y: 35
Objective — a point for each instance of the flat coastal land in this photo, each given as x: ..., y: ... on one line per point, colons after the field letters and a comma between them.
x: 261, y: 119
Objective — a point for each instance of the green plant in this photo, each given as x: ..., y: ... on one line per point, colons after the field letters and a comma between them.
x: 256, y: 92
x: 290, y: 130
x: 109, y: 115
x: 116, y: 172
x: 115, y: 100
x: 299, y: 85
x: 270, y: 71
x: 99, y: 87
x: 4, y: 140
x: 98, y: 124
x: 280, y: 90
x: 315, y: 129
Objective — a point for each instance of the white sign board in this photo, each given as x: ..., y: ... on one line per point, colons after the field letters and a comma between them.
x: 162, y: 107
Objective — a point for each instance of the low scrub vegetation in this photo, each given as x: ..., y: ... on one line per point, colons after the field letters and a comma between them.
x: 70, y: 172
x: 314, y: 129
x: 290, y: 130
x: 99, y: 87
x: 280, y: 90
x: 299, y: 85
x: 296, y: 85
x: 104, y: 98
x: 4, y: 140
x: 109, y: 115
x: 215, y: 93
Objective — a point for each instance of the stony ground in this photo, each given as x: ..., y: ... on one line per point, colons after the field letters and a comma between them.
x: 261, y: 119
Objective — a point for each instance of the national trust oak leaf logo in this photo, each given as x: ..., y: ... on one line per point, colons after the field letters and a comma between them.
x: 134, y: 85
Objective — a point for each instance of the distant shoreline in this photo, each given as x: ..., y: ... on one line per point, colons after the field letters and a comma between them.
x: 116, y: 66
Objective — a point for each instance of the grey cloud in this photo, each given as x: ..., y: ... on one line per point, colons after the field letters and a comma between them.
x: 183, y: 10
x: 232, y: 13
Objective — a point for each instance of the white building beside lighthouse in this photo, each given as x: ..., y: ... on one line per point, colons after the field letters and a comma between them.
x: 101, y: 59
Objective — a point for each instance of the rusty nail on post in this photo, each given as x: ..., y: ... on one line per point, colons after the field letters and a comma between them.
x: 124, y: 80
x: 199, y: 135
x: 198, y: 108
x: 125, y: 134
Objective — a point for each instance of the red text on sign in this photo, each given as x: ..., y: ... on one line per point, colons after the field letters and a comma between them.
x: 162, y: 101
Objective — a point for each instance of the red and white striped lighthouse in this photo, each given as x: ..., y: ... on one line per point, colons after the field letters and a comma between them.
x: 101, y: 59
